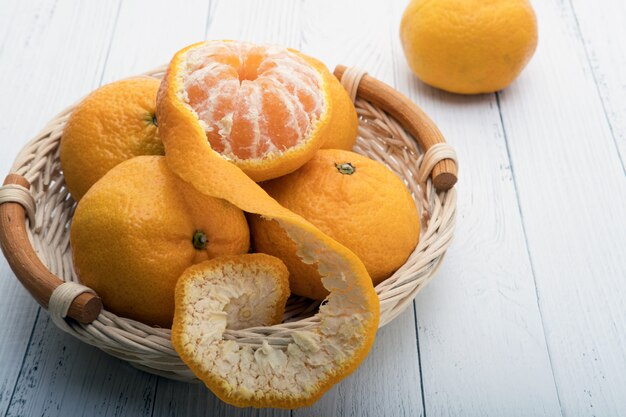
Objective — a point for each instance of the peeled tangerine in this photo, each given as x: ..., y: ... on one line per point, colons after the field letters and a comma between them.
x: 331, y: 346
x: 265, y: 108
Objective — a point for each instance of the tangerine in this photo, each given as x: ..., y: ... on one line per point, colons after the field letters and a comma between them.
x: 114, y: 123
x: 356, y: 201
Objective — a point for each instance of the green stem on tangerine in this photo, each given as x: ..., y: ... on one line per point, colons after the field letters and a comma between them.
x: 199, y: 240
x: 346, y: 168
x: 151, y: 118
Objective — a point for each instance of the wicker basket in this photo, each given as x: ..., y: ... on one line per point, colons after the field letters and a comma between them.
x: 36, y: 209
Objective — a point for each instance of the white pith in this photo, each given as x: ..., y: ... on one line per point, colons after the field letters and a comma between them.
x: 314, y: 356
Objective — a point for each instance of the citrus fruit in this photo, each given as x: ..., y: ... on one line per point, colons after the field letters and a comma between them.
x: 235, y: 292
x: 314, y: 358
x: 344, y: 120
x: 265, y: 108
x: 468, y: 46
x: 139, y: 227
x: 114, y: 123
x: 357, y: 201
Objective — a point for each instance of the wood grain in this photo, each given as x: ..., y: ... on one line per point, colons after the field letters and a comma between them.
x: 275, y: 22
x: 602, y: 31
x: 387, y: 383
x: 479, y: 325
x: 181, y: 399
x: 556, y: 128
x: 241, y: 20
x: 63, y: 376
x: 149, y: 33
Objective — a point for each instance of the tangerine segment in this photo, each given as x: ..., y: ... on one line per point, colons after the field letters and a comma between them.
x: 265, y: 108
x: 235, y: 292
x: 340, y: 335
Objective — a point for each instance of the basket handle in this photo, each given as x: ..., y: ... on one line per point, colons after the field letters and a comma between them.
x: 26, y: 265
x: 418, y: 124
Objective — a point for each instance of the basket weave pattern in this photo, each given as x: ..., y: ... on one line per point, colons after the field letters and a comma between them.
x: 381, y: 138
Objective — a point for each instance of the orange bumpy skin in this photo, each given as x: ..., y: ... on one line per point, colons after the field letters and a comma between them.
x: 342, y: 334
x: 369, y: 210
x: 132, y: 235
x: 344, y: 120
x: 468, y: 46
x: 112, y: 124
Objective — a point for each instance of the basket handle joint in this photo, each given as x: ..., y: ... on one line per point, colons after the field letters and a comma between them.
x: 17, y: 190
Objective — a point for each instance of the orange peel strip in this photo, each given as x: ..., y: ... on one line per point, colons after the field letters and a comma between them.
x: 344, y: 329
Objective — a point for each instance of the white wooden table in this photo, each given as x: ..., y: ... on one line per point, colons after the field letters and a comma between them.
x: 528, y: 315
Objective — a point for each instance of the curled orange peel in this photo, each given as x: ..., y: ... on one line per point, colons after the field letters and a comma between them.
x: 318, y: 356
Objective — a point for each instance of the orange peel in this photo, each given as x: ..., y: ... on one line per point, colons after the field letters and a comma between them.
x: 342, y: 332
x: 234, y: 292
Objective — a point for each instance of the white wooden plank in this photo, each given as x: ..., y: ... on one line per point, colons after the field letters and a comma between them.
x: 128, y: 391
x: 386, y: 384
x: 272, y: 22
x: 388, y: 381
x: 15, y: 302
x: 305, y: 30
x: 10, y: 10
x: 603, y: 32
x: 349, y: 33
x: 37, y: 42
x: 182, y: 399
x: 240, y: 20
x: 481, y: 339
x: 171, y: 398
x: 148, y: 33
x: 51, y: 57
x: 81, y: 381
x: 375, y: 388
x: 572, y: 192
x: 261, y: 22
x: 20, y: 311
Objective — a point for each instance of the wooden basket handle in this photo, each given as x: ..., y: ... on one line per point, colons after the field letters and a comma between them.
x: 26, y: 265
x: 414, y: 120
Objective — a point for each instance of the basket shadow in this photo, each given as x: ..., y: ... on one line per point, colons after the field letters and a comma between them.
x: 444, y: 98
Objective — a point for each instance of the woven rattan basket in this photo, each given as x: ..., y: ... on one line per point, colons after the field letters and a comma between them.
x: 36, y: 210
